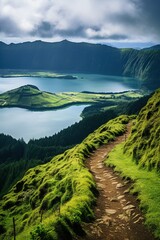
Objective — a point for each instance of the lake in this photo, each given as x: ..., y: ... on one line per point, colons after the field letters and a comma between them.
x: 84, y: 82
x: 21, y: 123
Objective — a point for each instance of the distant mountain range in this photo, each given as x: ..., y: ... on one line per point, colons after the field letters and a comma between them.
x: 82, y: 57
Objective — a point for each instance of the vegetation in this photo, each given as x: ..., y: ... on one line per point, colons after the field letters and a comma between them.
x: 139, y: 160
x: 143, y: 145
x: 31, y: 97
x: 21, y: 73
x: 44, y: 149
x: 142, y: 64
x: 50, y: 200
x: 145, y: 185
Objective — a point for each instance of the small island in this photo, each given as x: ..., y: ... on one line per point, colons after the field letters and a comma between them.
x: 25, y: 73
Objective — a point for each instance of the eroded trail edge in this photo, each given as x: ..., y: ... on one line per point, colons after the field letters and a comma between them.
x: 117, y: 215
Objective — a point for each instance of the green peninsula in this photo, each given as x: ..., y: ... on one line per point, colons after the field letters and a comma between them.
x: 30, y: 97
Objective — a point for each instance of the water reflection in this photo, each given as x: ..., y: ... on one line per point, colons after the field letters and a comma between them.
x: 28, y: 124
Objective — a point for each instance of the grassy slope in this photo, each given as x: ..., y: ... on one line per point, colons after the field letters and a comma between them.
x: 141, y: 153
x: 61, y: 191
x: 31, y: 97
x: 146, y: 185
x: 144, y: 142
x: 142, y: 64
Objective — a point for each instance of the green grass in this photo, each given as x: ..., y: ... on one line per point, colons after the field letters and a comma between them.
x: 61, y: 191
x: 143, y: 144
x: 146, y: 184
x: 31, y: 97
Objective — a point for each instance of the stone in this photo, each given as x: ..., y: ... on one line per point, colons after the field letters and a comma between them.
x: 126, y: 191
x: 114, y: 199
x: 119, y: 185
x: 129, y: 207
x: 110, y: 211
x: 123, y: 217
x: 120, y: 197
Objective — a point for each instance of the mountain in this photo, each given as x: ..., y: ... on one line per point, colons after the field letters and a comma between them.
x: 144, y: 141
x: 144, y: 65
x: 155, y: 47
x: 83, y: 57
x: 61, y: 56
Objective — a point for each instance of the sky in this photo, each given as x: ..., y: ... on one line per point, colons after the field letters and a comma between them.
x: 121, y: 23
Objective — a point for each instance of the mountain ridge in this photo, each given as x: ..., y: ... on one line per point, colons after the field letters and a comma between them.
x: 66, y: 56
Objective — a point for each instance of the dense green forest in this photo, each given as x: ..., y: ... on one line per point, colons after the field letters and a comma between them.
x: 72, y: 57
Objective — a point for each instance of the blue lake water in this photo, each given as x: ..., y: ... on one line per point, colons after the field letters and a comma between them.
x: 84, y: 82
x: 21, y: 123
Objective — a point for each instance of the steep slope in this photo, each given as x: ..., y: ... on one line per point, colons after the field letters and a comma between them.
x: 82, y: 57
x: 53, y: 199
x: 143, y: 64
x: 144, y: 142
x: 61, y: 56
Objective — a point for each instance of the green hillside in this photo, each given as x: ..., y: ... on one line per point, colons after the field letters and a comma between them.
x: 144, y: 142
x: 31, y: 97
x: 139, y: 160
x: 52, y: 200
x: 143, y: 64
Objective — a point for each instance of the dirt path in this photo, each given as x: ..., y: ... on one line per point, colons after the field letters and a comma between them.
x: 117, y: 216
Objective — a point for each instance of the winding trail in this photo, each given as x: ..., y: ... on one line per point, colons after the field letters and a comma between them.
x: 117, y: 216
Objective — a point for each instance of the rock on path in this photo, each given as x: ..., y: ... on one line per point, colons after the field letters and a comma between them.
x: 117, y: 216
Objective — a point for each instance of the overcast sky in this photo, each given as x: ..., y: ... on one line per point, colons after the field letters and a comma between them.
x: 114, y: 22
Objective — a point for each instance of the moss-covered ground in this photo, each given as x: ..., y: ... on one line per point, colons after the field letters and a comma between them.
x: 144, y: 142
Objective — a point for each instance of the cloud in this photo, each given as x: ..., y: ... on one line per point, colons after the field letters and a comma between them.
x: 116, y: 20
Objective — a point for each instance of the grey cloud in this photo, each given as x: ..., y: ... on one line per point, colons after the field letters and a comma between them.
x: 107, y: 20
x: 7, y: 26
x: 118, y: 37
x: 45, y: 29
x: 151, y: 15
x: 112, y: 37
